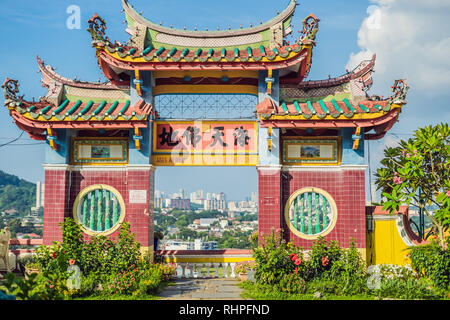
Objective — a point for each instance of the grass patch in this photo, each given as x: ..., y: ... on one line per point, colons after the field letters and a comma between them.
x: 260, y: 292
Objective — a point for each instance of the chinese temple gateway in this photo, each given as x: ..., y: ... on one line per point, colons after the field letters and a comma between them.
x: 207, y: 98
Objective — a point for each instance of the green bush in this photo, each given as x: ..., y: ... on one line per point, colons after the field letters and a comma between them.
x: 273, y: 259
x: 327, y: 268
x: 432, y: 261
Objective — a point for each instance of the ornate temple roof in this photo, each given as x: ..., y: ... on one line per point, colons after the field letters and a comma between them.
x: 145, y: 32
x: 74, y: 104
x: 370, y: 113
x: 153, y: 47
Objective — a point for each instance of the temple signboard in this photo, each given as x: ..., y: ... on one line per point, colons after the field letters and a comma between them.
x: 205, y: 143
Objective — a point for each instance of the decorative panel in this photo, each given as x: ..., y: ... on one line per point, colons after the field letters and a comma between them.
x: 91, y: 151
x: 311, y: 151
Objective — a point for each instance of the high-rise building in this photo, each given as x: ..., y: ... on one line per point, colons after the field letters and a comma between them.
x: 40, y: 192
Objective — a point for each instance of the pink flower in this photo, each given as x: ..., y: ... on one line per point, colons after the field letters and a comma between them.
x: 397, y: 180
x: 298, y: 262
x: 448, y: 193
x: 296, y: 270
x: 71, y: 262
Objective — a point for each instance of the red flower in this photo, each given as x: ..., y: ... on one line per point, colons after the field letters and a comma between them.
x: 325, y: 261
x: 298, y: 262
x: 296, y: 270
x: 293, y: 256
x: 54, y: 255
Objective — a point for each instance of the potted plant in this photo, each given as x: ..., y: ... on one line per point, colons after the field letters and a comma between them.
x: 29, y: 265
x: 245, y: 270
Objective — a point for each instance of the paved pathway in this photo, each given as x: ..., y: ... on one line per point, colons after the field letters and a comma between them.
x: 203, y: 289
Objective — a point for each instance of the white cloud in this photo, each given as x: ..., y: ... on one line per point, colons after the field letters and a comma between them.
x: 411, y: 39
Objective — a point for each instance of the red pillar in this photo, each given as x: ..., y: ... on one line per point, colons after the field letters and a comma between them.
x: 56, y: 198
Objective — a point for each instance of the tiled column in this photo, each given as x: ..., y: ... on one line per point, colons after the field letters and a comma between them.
x: 56, y: 199
x: 140, y: 213
x: 269, y: 200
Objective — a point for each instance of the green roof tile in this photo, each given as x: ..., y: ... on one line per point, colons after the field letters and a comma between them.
x: 185, y: 52
x: 336, y: 106
x: 364, y: 108
x: 324, y: 107
x: 45, y: 110
x: 172, y: 52
x: 86, y: 109
x: 99, y: 109
x: 310, y: 107
x: 349, y: 106
x: 74, y: 108
x: 124, y: 109
x: 297, y: 107
x: 61, y: 107
x: 285, y: 109
x: 147, y: 50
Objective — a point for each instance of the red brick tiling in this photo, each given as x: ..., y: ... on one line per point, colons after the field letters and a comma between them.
x: 62, y: 190
x: 346, y: 187
x: 348, y: 191
x: 269, y: 202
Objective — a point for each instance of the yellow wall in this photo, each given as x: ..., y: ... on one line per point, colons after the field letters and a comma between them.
x: 385, y: 245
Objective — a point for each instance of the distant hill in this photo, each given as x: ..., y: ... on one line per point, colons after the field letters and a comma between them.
x: 16, y: 193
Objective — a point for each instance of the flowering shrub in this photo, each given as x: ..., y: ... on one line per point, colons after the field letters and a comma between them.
x: 124, y: 282
x: 51, y: 259
x: 114, y: 267
x: 273, y: 259
x: 292, y: 284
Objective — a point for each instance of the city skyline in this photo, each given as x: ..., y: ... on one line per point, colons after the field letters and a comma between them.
x: 202, y: 194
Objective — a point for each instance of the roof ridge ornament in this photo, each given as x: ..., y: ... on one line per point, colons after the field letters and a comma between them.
x: 10, y: 90
x: 97, y: 28
x: 400, y: 90
x: 310, y: 28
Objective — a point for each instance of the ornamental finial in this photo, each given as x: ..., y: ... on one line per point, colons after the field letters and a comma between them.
x: 10, y: 90
x: 400, y: 90
x: 97, y: 28
x: 310, y: 28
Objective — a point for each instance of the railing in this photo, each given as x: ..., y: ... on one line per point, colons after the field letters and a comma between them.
x: 206, y: 263
x: 189, y: 263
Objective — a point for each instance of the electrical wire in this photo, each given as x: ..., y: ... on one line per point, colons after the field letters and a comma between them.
x: 12, y: 141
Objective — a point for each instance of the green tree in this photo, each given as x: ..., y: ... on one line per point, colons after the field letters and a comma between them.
x: 416, y: 173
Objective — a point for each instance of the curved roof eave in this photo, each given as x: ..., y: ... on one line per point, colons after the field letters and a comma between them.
x: 283, y: 16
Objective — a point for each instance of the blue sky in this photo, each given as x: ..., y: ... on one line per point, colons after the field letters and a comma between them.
x: 29, y: 28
